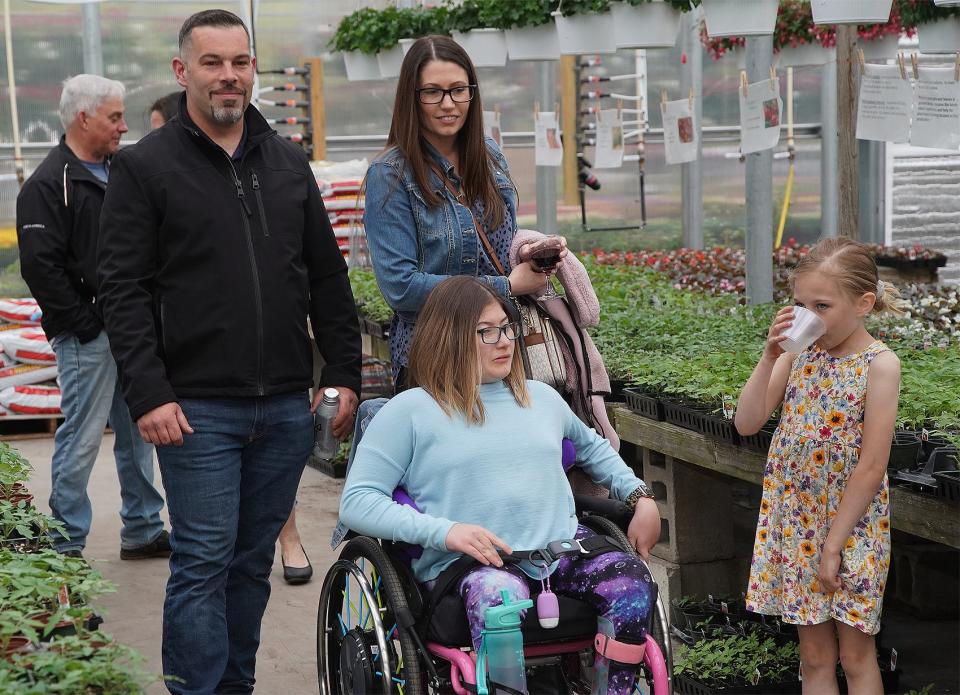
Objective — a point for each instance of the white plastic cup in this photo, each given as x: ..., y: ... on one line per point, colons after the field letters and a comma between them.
x: 806, y: 328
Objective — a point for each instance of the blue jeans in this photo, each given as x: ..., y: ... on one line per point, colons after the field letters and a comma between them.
x: 90, y: 396
x: 230, y: 489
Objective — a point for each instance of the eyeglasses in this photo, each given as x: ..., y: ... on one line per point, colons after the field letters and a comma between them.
x: 491, y: 334
x: 435, y: 95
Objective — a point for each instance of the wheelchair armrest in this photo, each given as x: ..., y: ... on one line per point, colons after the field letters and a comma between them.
x: 604, y: 506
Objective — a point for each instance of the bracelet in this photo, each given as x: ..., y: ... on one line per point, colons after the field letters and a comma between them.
x: 634, y: 497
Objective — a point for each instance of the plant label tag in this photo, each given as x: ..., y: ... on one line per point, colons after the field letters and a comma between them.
x: 756, y: 677
x: 728, y: 407
x: 724, y: 608
x: 710, y: 598
x: 63, y: 596
x: 893, y: 660
x: 924, y: 435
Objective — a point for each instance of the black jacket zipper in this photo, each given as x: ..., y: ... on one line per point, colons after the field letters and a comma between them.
x: 256, y: 272
x: 257, y: 195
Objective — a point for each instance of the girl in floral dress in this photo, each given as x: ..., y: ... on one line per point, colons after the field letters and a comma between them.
x: 822, y: 547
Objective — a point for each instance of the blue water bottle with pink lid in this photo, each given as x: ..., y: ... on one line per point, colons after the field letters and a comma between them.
x: 501, y: 647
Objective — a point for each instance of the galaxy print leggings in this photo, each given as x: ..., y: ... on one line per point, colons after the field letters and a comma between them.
x: 617, y: 585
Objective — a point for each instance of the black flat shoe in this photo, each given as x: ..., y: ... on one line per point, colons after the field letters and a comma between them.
x: 297, y: 575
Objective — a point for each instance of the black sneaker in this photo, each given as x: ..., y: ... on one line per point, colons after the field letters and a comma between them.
x: 158, y: 547
x: 73, y: 552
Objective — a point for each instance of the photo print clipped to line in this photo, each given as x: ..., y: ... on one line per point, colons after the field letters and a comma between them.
x: 491, y: 127
x: 609, y: 152
x: 680, y: 136
x: 760, y: 115
x: 936, y: 109
x: 549, y: 149
x: 886, y: 100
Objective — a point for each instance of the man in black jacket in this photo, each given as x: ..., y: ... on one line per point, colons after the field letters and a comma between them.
x: 215, y: 249
x: 58, y: 221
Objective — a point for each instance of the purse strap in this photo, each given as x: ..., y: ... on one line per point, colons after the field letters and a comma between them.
x: 481, y: 234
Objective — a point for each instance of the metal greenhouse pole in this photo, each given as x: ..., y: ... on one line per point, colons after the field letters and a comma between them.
x: 12, y: 93
x: 759, y: 190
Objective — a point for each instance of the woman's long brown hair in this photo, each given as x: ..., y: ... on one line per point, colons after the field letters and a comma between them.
x: 444, y: 358
x: 406, y: 130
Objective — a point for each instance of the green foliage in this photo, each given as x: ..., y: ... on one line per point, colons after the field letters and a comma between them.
x: 514, y: 14
x: 371, y: 31
x: 734, y: 660
x: 916, y: 12
x: 13, y: 468
x: 568, y: 8
x: 366, y: 294
x: 22, y: 521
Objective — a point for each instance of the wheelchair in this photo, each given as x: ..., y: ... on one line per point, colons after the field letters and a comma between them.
x: 376, y: 632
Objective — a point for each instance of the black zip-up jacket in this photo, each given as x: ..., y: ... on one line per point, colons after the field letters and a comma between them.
x: 209, y: 268
x: 58, y: 220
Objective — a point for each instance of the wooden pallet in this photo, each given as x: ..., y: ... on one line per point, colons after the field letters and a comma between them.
x: 28, y: 426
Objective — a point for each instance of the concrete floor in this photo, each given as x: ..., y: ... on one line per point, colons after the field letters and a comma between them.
x: 287, y: 657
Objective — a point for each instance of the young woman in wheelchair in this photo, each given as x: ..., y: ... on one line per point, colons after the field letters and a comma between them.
x: 478, y: 448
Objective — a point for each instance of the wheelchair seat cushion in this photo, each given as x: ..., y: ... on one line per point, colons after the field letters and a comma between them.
x: 449, y: 623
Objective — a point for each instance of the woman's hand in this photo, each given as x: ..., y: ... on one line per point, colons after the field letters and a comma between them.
x: 829, y: 570
x: 644, y: 529
x: 523, y: 253
x: 525, y: 280
x: 477, y: 542
x: 781, y: 322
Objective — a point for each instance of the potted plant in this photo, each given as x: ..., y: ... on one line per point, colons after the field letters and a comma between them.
x: 472, y: 27
x: 647, y: 23
x: 359, y: 36
x: 938, y: 26
x: 739, y: 17
x: 732, y: 663
x: 585, y: 27
x: 904, y: 451
x: 851, y: 11
x: 396, y: 25
x: 530, y: 31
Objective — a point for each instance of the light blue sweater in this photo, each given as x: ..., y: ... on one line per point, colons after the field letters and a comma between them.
x: 505, y: 475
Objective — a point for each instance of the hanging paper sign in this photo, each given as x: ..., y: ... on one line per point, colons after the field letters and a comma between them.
x: 886, y: 99
x: 609, y: 154
x: 491, y: 127
x: 549, y: 149
x: 936, y: 109
x: 680, y: 131
x: 760, y: 109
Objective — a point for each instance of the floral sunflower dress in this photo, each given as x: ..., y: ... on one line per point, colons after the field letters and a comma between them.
x: 814, y: 451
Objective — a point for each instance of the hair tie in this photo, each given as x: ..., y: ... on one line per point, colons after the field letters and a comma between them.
x: 880, y: 284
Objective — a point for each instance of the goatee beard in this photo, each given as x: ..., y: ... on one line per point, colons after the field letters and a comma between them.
x: 226, y: 115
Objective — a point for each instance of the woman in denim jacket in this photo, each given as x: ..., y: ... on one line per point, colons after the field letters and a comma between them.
x: 437, y: 178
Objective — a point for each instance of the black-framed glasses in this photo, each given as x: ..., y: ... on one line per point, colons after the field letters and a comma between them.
x: 435, y: 95
x: 491, y: 334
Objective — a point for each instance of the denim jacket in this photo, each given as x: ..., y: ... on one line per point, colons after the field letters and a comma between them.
x: 414, y: 247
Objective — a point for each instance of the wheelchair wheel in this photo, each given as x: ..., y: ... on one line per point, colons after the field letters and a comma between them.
x: 659, y: 623
x: 362, y: 647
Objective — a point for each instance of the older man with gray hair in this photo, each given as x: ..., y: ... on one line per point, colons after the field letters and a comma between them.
x: 58, y: 223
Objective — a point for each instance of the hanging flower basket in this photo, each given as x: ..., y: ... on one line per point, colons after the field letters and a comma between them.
x: 585, y: 34
x: 740, y: 17
x: 942, y: 36
x: 487, y: 48
x: 361, y: 66
x: 805, y: 54
x: 533, y: 43
x: 390, y: 61
x: 851, y: 11
x: 880, y: 49
x: 405, y: 45
x: 653, y: 25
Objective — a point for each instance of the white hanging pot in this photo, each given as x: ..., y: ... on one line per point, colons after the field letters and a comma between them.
x: 880, y: 49
x: 740, y: 17
x: 487, y: 48
x: 533, y: 43
x: 405, y: 45
x: 390, y: 61
x: 851, y: 11
x: 942, y: 36
x: 584, y: 34
x: 361, y: 66
x: 805, y: 54
x: 653, y: 25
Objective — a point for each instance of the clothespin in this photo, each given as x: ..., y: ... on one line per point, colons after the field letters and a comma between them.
x: 663, y: 100
x: 773, y: 77
x: 536, y: 110
x: 862, y: 60
x: 743, y: 83
x: 916, y: 67
x: 690, y: 99
x: 956, y: 69
x: 903, y: 67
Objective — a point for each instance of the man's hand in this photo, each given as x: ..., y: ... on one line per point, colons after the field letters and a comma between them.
x: 343, y: 422
x: 477, y: 542
x: 164, y: 425
x: 644, y: 529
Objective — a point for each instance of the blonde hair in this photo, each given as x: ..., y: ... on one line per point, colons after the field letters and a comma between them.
x: 444, y: 358
x: 851, y: 264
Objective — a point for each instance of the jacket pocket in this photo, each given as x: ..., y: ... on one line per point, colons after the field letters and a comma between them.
x: 432, y: 222
x: 259, y: 198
